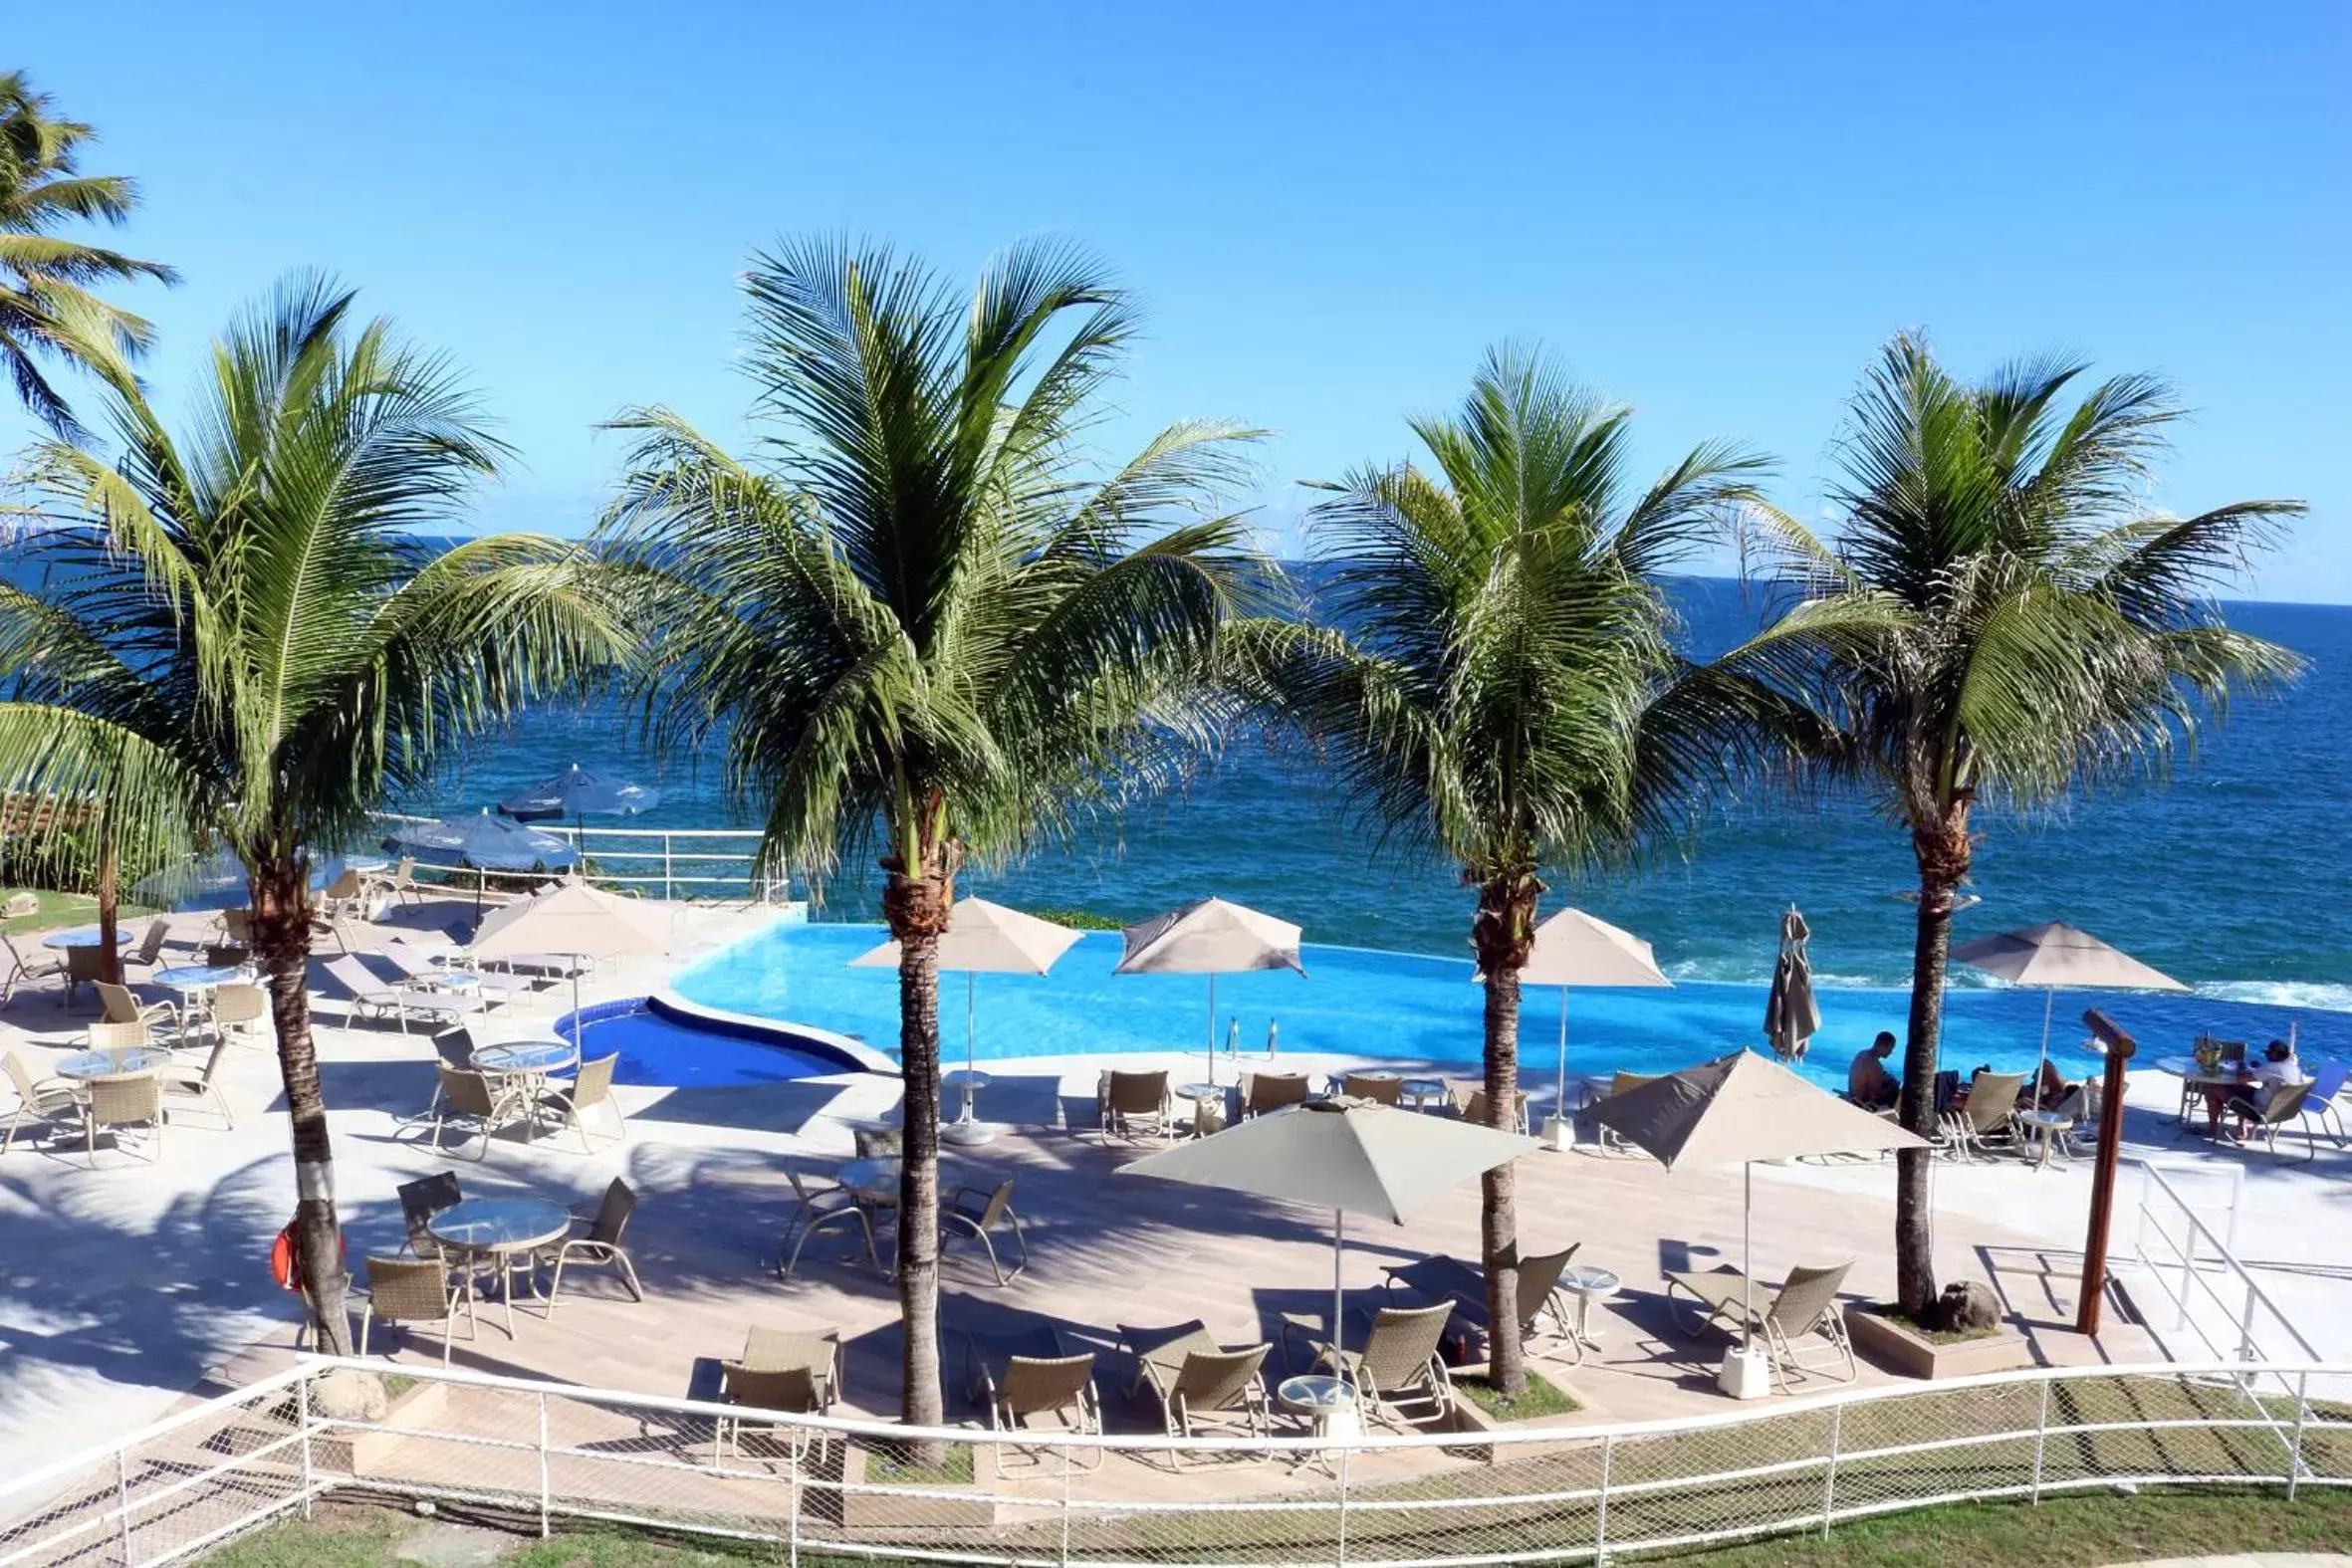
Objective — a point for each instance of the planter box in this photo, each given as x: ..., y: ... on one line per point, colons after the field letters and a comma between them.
x: 1900, y: 1349
x: 1467, y: 1418
x: 886, y: 1510
x: 345, y: 1451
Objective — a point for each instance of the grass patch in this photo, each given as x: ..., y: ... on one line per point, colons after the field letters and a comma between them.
x: 65, y: 909
x: 1081, y: 919
x: 1542, y: 1397
x: 1934, y: 1337
x: 884, y: 1469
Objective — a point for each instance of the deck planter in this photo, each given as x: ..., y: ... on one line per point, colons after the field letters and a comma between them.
x: 1901, y: 1349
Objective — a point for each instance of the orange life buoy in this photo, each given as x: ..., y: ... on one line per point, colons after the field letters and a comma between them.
x: 282, y: 1255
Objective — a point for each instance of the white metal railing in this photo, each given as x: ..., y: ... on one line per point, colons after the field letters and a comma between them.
x: 2196, y: 1269
x: 839, y: 1487
x: 696, y: 859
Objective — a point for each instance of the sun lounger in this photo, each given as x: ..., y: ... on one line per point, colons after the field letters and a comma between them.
x: 1619, y: 1084
x: 1398, y: 1376
x: 1135, y: 1105
x: 1199, y: 1381
x: 1026, y: 1371
x: 371, y: 994
x: 411, y: 960
x: 1988, y: 1116
x: 1542, y: 1315
x: 1270, y: 1091
x: 1806, y: 1304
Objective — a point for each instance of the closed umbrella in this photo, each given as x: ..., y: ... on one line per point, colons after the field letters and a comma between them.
x: 1791, y: 1016
x: 2055, y: 956
x: 1737, y: 1110
x: 573, y: 918
x: 1350, y: 1157
x: 983, y: 939
x: 1576, y: 949
x: 1212, y: 937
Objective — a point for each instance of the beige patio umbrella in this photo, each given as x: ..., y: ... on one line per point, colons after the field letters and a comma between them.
x: 2055, y: 956
x: 573, y: 918
x: 1576, y: 949
x: 1737, y: 1110
x: 1212, y: 937
x: 1351, y: 1157
x: 983, y: 938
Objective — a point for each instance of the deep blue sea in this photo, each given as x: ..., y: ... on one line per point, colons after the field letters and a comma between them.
x: 2229, y: 876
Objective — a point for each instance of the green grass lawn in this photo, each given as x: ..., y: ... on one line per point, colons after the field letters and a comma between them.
x: 1542, y: 1397
x: 2063, y: 1532
x: 64, y: 909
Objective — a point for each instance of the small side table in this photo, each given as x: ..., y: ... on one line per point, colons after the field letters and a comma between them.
x: 1419, y: 1092
x: 1329, y: 1405
x: 2053, y: 1128
x: 966, y: 1132
x: 1208, y: 1107
x: 1588, y: 1284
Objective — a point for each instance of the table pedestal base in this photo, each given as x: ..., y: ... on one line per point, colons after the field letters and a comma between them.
x: 1746, y: 1374
x: 1559, y: 1134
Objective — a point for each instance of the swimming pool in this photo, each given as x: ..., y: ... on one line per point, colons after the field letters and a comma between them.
x: 1367, y: 1003
x: 661, y: 1044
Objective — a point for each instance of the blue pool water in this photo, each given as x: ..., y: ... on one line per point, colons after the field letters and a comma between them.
x: 659, y: 1049
x: 1395, y: 1004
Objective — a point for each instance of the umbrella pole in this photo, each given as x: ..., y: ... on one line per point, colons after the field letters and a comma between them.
x: 1747, y: 1253
x: 576, y: 1001
x: 1338, y: 1298
x: 971, y: 980
x: 1212, y: 1029
x: 1560, y: 1085
x: 2049, y: 996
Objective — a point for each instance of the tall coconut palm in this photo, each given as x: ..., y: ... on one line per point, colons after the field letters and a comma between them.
x: 244, y: 643
x: 1999, y: 616
x: 920, y: 621
x: 1496, y: 684
x: 47, y: 312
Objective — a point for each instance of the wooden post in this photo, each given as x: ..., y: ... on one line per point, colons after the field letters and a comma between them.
x: 2095, y: 1248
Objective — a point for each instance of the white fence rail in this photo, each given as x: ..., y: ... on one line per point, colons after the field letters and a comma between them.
x: 665, y: 862
x: 2194, y: 1267
x: 534, y: 1453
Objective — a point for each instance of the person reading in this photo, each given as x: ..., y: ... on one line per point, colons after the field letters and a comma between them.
x: 2278, y: 1066
x: 1868, y: 1083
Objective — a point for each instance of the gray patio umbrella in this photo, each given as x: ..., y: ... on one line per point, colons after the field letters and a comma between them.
x: 2055, y: 955
x: 1350, y: 1157
x: 1737, y: 1110
x: 1791, y: 1016
x: 577, y: 792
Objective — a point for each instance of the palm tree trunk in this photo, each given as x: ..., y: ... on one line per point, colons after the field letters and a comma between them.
x: 109, y: 953
x: 282, y: 947
x: 1502, y: 934
x: 917, y: 909
x: 1942, y: 849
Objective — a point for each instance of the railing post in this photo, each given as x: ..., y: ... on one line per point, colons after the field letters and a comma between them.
x: 1601, y: 1518
x: 122, y: 1498
x: 665, y: 866
x: 2041, y: 1437
x: 1339, y: 1559
x: 2294, y: 1457
x: 1069, y: 1466
x: 2245, y: 1322
x: 792, y: 1538
x: 302, y: 1416
x: 2188, y: 1268
x: 1837, y: 1428
x: 545, y: 1493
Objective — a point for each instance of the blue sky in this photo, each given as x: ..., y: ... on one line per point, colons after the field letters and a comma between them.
x: 1716, y: 213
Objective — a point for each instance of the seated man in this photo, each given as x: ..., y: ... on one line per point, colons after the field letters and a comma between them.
x: 2278, y: 1066
x: 1868, y: 1083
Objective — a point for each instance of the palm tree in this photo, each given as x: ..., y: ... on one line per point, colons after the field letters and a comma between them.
x: 243, y: 643
x: 47, y: 311
x: 1503, y: 692
x: 1999, y: 616
x: 921, y: 623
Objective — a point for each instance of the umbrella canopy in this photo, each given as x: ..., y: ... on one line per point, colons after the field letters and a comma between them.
x: 2055, y: 955
x: 1576, y: 949
x: 573, y: 919
x: 1210, y: 937
x: 214, y: 873
x: 579, y: 791
x: 1791, y: 1016
x: 1350, y: 1157
x: 986, y: 939
x: 483, y: 842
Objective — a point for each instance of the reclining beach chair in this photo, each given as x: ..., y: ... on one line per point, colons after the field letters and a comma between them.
x: 1542, y: 1312
x: 50, y: 1103
x: 2320, y: 1106
x: 821, y: 1206
x: 1270, y: 1091
x: 1027, y: 1387
x: 1806, y: 1304
x: 1986, y: 1117
x: 1619, y: 1084
x: 792, y: 1372
x: 2276, y: 1105
x: 371, y: 996
x: 1382, y: 1088
x: 1398, y: 1376
x: 23, y: 969
x: 417, y: 965
x: 1135, y: 1105
x: 1201, y: 1382
x: 980, y: 1212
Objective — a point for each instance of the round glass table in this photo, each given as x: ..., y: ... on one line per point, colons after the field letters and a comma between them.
x: 1588, y: 1284
x: 113, y: 1063
x: 1329, y: 1405
x: 1420, y: 1093
x: 2052, y: 1128
x: 506, y: 1230
x: 527, y: 1056
x: 82, y: 937
x: 874, y: 1179
x: 196, y: 979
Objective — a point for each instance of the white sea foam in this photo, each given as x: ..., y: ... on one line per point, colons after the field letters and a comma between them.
x: 2311, y: 993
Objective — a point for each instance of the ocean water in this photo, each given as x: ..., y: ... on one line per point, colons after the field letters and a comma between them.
x: 2229, y: 876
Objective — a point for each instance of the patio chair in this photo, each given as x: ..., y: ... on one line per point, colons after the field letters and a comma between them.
x: 877, y: 1143
x: 1200, y: 1382
x: 2276, y: 1106
x: 981, y: 1213
x: 1029, y: 1387
x: 455, y: 1047
x: 400, y: 886
x: 423, y: 1199
x: 1619, y: 1084
x: 817, y: 1209
x: 227, y: 955
x: 590, y: 1087
x: 1270, y: 1091
x: 120, y: 1100
x: 788, y: 1372
x: 469, y: 1096
x: 1473, y: 1110
x: 24, y: 971
x: 1986, y: 1117
x: 2320, y: 1106
x: 106, y: 1036
x: 415, y: 965
x: 239, y: 1009
x: 415, y: 1291
x: 371, y: 996
x: 51, y: 1102
x: 1136, y: 1105
x: 1443, y: 1278
x: 601, y: 1246
x: 119, y: 1005
x: 1382, y: 1088
x: 149, y: 951
x: 1804, y: 1304
x: 236, y: 927
x: 1398, y: 1376
x: 200, y: 1085
x: 84, y: 966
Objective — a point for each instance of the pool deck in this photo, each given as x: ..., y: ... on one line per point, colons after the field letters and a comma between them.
x: 125, y: 1289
